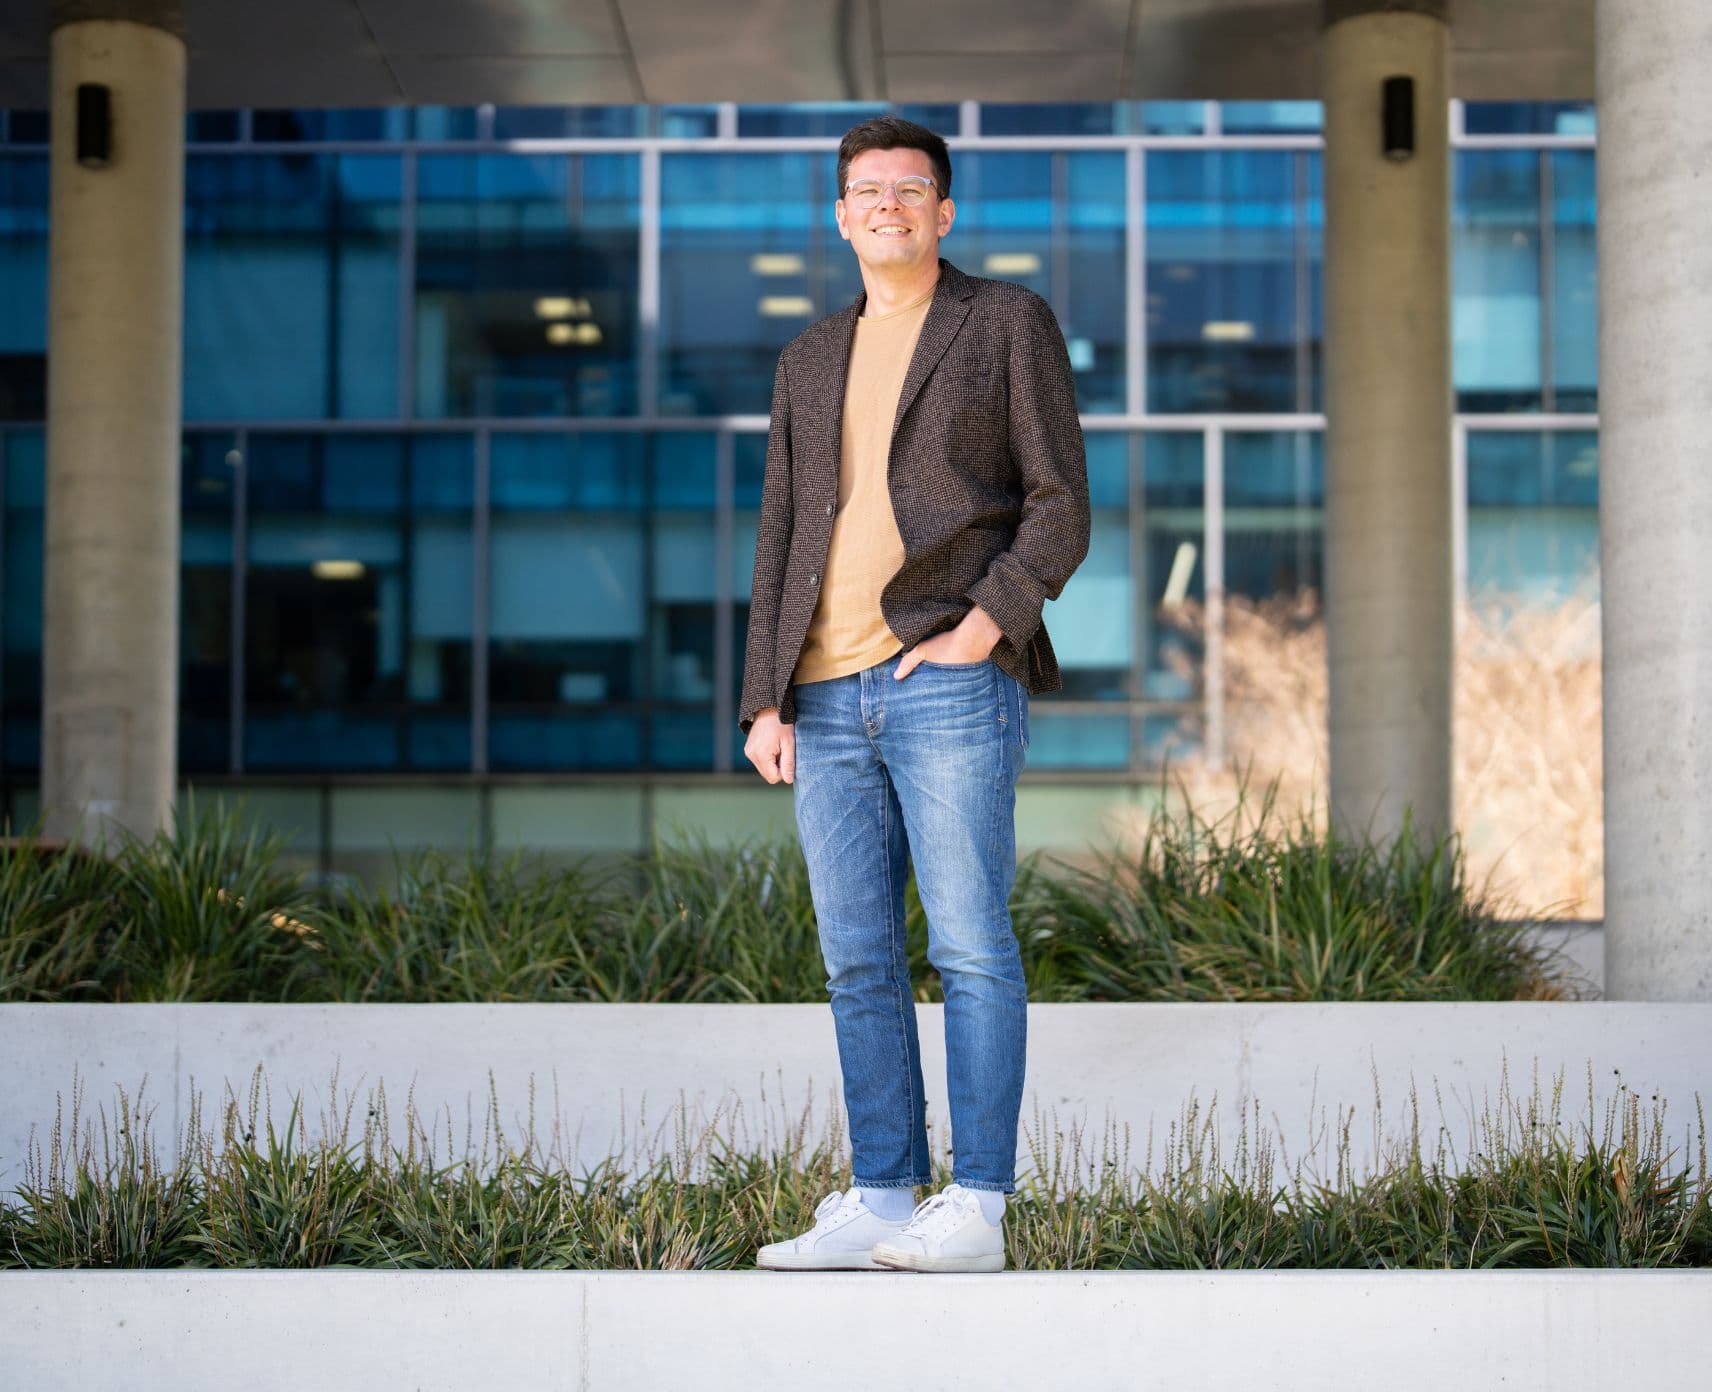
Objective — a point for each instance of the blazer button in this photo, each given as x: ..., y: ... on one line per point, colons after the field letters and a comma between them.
x: 829, y: 509
x: 814, y: 579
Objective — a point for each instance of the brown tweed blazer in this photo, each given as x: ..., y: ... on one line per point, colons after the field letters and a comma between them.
x: 987, y: 477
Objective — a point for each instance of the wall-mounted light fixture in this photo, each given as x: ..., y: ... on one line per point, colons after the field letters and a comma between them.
x: 1399, y: 118
x: 94, y: 125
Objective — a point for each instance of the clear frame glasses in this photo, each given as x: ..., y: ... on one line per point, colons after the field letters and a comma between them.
x: 911, y: 190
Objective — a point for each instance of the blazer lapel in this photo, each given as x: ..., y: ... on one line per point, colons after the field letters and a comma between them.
x: 945, y: 316
x: 824, y: 395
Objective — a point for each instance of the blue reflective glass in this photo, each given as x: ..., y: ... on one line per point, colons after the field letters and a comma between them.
x: 1533, y: 514
x: 1066, y: 739
x: 749, y: 257
x: 23, y: 453
x: 526, y: 285
x: 1230, y: 255
x: 358, y: 604
x: 445, y: 123
x: 1574, y: 286
x: 834, y: 118
x: 1271, y: 118
x: 23, y: 287
x: 1162, y: 118
x: 1092, y: 621
x: 602, y: 594
x: 568, y: 122
x: 355, y: 124
x: 27, y: 127
x: 1054, y: 221
x: 291, y: 286
x: 1049, y: 118
x: 1174, y: 522
x: 1528, y: 118
x: 211, y: 127
x: 1495, y: 280
x: 1274, y: 513
x: 685, y: 122
x: 208, y: 479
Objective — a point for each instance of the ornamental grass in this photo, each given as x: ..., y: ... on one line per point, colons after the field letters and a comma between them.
x: 1252, y: 907
x: 1532, y: 1191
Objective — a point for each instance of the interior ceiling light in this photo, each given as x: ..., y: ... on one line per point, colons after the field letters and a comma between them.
x: 561, y: 307
x: 1012, y: 263
x: 338, y: 570
x: 776, y: 263
x: 587, y: 333
x: 1227, y: 331
x: 786, y: 306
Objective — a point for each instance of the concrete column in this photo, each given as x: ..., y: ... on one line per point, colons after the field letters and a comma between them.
x: 1653, y: 60
x: 115, y: 311
x: 1389, y: 584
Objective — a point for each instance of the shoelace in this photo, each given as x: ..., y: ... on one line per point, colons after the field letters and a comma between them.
x: 830, y: 1205
x: 939, y: 1212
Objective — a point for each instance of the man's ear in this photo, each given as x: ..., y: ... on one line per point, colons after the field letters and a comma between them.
x: 947, y: 215
x: 838, y: 217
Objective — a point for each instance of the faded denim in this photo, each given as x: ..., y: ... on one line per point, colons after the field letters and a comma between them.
x: 924, y: 770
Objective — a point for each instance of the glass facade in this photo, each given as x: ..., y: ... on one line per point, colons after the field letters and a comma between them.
x: 475, y: 407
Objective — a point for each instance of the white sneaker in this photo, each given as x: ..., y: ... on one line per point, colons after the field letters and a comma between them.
x: 947, y: 1232
x: 844, y: 1233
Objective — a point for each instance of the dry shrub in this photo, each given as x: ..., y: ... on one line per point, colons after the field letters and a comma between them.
x: 1527, y: 761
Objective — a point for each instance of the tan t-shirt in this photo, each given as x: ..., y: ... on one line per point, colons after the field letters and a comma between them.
x: 848, y: 632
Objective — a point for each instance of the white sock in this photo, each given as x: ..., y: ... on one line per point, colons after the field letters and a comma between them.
x: 890, y: 1204
x: 992, y: 1204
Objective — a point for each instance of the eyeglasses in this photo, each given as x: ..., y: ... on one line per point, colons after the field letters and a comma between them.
x: 911, y: 189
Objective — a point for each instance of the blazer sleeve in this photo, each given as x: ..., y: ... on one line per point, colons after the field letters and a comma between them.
x: 772, y: 549
x: 1046, y: 447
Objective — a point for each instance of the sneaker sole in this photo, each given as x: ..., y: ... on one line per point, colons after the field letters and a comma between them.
x: 902, y: 1261
x: 810, y: 1261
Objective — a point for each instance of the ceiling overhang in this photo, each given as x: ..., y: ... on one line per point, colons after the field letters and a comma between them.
x: 337, y: 53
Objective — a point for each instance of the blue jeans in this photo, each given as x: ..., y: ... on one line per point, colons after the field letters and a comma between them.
x: 922, y: 770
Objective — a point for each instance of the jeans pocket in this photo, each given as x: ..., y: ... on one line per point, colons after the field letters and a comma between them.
x: 954, y: 666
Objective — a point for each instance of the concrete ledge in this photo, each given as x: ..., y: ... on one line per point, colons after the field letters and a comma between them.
x: 1278, y: 1330
x: 621, y: 1075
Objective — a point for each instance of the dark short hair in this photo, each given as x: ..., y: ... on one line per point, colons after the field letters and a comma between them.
x: 894, y: 133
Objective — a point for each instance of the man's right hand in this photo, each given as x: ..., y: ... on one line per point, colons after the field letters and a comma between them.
x: 772, y: 746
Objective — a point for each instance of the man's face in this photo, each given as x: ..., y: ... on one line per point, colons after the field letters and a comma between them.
x: 890, y: 237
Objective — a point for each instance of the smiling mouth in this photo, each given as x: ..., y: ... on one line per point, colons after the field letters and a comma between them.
x: 891, y: 232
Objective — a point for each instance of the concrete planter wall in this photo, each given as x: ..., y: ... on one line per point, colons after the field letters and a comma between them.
x: 1405, y: 1331
x: 623, y: 1076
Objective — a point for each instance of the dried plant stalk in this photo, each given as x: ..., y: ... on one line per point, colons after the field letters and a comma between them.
x: 1527, y: 787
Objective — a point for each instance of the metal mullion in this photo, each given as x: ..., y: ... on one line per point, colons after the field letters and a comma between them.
x: 480, y: 552
x: 648, y: 287
x: 725, y: 121
x: 724, y: 599
x: 968, y: 120
x: 1213, y: 654
x: 1527, y: 142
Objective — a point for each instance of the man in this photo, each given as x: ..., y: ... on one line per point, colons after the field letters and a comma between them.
x: 925, y: 493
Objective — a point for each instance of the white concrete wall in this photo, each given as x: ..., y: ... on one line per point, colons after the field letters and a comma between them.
x: 1281, y: 1331
x: 754, y: 1070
